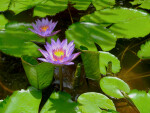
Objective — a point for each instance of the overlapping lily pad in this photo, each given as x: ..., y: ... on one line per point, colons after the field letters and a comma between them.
x: 16, y: 40
x: 81, y: 4
x: 91, y: 64
x: 126, y: 23
x: 141, y: 100
x: 4, y: 4
x: 145, y: 4
x: 59, y: 102
x: 87, y: 34
x: 144, y: 52
x: 104, y: 59
x: 23, y: 101
x: 101, y: 4
x: 40, y: 75
x: 3, y: 21
x: 113, y: 86
x: 91, y: 102
x: 50, y: 7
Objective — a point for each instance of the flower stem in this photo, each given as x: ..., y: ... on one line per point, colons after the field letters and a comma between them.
x: 61, y: 78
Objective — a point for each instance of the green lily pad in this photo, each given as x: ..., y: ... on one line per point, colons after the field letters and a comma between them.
x: 4, y: 5
x: 101, y: 4
x: 91, y: 64
x: 50, y: 7
x: 39, y: 75
x: 18, y: 6
x: 87, y: 34
x: 136, y: 2
x: 113, y: 85
x: 3, y: 21
x: 126, y: 23
x: 144, y: 53
x: 91, y: 102
x: 105, y: 58
x: 145, y: 4
x: 16, y: 40
x: 23, y: 101
x: 81, y: 4
x: 59, y: 102
x: 110, y: 111
x: 141, y: 99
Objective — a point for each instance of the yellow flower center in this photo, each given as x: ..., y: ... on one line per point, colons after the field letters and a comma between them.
x: 59, y: 53
x: 44, y: 28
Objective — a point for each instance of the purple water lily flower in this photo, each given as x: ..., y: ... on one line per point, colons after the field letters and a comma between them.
x: 44, y: 28
x: 59, y: 53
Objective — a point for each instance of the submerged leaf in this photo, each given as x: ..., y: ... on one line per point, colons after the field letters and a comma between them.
x: 39, y: 75
x: 141, y: 99
x: 91, y: 102
x: 105, y: 58
x: 144, y: 53
x: 59, y: 102
x: 24, y: 101
x: 113, y: 86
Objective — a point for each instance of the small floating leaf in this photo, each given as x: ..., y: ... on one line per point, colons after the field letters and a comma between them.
x: 91, y: 102
x: 141, y: 100
x: 59, y: 102
x: 113, y: 85
x: 87, y: 34
x: 105, y: 58
x: 39, y: 75
x: 144, y: 53
x: 24, y: 101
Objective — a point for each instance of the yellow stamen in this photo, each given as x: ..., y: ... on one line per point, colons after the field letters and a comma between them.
x: 44, y: 28
x: 59, y: 53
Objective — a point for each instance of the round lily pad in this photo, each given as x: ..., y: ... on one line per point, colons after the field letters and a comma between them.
x: 113, y: 86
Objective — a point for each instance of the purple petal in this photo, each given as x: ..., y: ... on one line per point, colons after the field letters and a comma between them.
x: 53, y: 44
x: 70, y: 44
x: 33, y: 30
x: 49, y: 50
x: 58, y: 42
x: 70, y: 50
x: 43, y: 59
x: 51, y: 34
x: 73, y: 56
x: 69, y: 63
x: 45, y: 53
